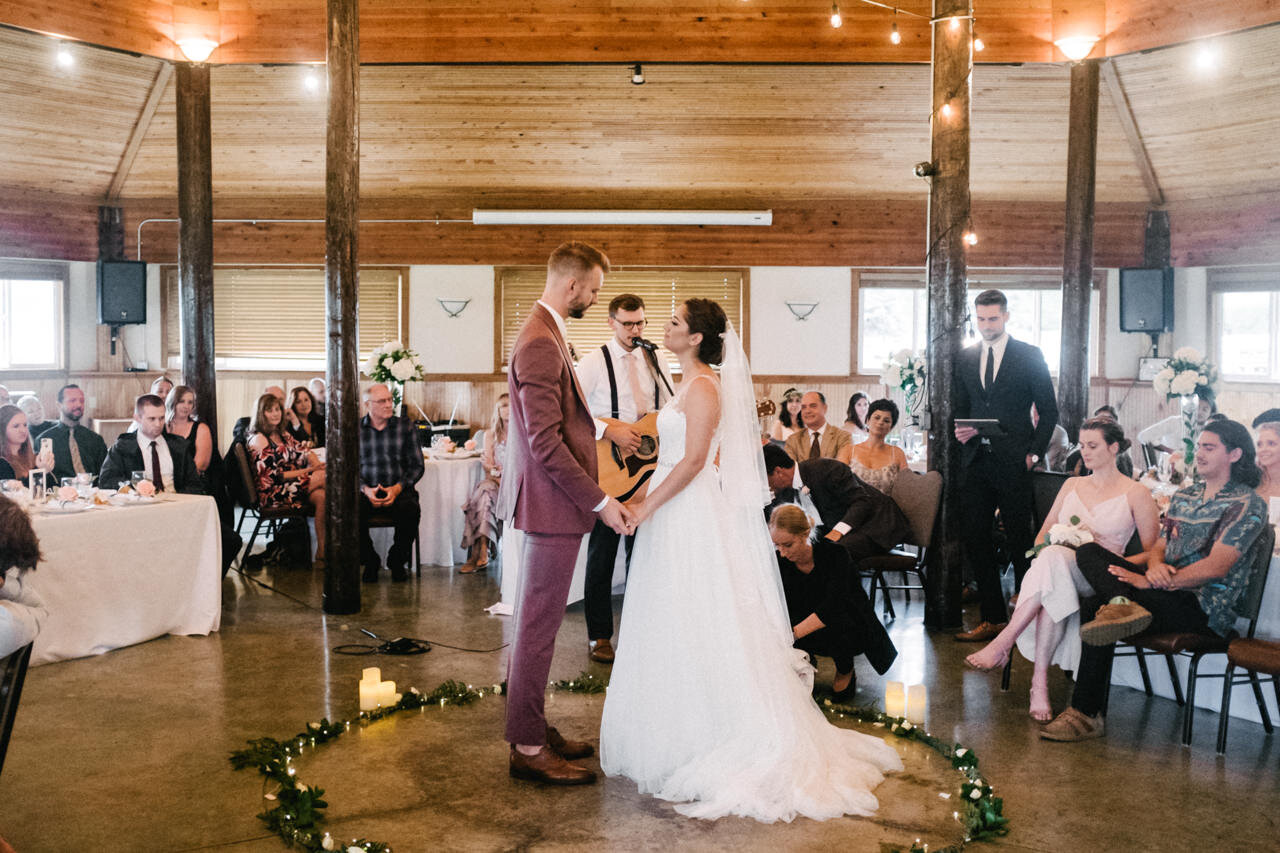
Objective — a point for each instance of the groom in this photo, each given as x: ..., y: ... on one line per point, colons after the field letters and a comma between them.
x: 549, y: 491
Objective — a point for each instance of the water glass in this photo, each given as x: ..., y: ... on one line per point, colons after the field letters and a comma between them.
x: 137, y: 477
x: 84, y: 485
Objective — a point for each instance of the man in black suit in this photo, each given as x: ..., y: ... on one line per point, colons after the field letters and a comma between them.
x: 860, y: 517
x: 165, y: 461
x: 76, y: 448
x: 999, y: 379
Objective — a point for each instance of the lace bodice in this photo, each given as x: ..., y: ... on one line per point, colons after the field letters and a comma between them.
x: 1110, y: 521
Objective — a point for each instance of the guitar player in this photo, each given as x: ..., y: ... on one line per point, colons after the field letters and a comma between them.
x: 622, y: 381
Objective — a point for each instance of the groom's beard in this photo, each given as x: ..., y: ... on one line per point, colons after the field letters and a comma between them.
x: 577, y: 312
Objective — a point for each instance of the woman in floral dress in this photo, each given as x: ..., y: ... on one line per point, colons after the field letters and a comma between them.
x: 288, y: 473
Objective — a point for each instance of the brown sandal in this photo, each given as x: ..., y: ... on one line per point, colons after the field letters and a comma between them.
x: 1072, y: 725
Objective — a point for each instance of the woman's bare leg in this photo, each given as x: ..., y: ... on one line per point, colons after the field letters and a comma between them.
x: 996, y: 653
x: 1048, y: 636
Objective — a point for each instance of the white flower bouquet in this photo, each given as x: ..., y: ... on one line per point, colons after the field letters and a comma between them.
x: 1187, y: 373
x: 906, y: 370
x: 394, y: 364
x: 1073, y: 534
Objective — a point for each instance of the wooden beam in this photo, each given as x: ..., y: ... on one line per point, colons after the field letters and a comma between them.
x: 139, y: 132
x: 195, y: 239
x: 1077, y: 259
x: 1129, y: 124
x: 342, y: 225
x: 949, y: 218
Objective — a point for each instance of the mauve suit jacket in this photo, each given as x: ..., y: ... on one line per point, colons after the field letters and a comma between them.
x: 549, y: 479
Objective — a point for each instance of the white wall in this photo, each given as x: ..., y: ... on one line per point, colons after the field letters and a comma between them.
x: 781, y: 344
x: 142, y: 343
x: 462, y: 344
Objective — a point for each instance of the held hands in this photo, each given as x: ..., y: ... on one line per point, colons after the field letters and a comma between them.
x: 390, y: 494
x: 1134, y: 579
x: 964, y: 434
x: 624, y: 437
x: 618, y: 517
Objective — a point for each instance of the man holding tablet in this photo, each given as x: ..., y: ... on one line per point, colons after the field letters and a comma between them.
x: 999, y: 380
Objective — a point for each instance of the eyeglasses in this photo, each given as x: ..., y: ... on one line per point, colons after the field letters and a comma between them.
x: 634, y: 324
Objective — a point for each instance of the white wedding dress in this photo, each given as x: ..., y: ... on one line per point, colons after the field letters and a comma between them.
x: 1054, y: 576
x: 705, y: 707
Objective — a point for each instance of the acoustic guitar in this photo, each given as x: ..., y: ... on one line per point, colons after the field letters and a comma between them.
x: 622, y: 475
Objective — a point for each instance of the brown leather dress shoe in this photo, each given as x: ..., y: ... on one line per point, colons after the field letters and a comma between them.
x: 601, y: 651
x: 981, y: 634
x: 570, y: 750
x: 546, y: 766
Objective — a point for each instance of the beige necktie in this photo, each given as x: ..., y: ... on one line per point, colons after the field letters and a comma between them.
x: 76, y: 461
x: 638, y: 394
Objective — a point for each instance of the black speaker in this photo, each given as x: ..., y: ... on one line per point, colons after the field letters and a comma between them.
x: 122, y: 292
x: 1146, y: 300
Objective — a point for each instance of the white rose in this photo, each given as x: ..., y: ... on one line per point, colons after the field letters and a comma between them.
x: 902, y: 356
x: 393, y: 346
x: 1202, y: 379
x: 403, y: 370
x: 891, y: 375
x: 1188, y: 354
x: 1184, y: 382
x: 327, y: 842
x: 387, y: 362
x: 371, y: 365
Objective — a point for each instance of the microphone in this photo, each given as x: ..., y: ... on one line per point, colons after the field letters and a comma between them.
x: 649, y: 346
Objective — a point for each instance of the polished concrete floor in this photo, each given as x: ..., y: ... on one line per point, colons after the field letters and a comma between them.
x: 128, y: 751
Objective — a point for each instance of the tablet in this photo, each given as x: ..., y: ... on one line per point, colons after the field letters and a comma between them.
x: 986, y: 427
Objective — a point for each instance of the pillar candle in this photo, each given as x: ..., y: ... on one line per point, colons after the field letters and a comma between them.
x: 895, y: 699
x: 387, y: 693
x: 917, y: 704
x: 369, y: 693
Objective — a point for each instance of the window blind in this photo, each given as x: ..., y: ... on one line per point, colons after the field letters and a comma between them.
x: 279, y: 313
x: 661, y: 289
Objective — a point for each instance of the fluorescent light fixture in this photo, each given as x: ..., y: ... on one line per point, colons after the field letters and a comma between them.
x: 622, y: 217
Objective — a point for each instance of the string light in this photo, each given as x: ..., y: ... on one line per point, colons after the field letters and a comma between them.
x: 836, y: 20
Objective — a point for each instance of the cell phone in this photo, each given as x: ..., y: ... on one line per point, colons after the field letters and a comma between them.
x: 46, y: 445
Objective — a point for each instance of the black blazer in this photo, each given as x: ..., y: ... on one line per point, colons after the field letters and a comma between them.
x: 1023, y: 379
x: 839, y: 495
x: 125, y: 457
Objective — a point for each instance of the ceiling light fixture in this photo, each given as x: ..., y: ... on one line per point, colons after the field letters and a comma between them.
x: 1076, y: 48
x: 894, y: 35
x: 978, y: 45
x: 622, y: 217
x: 637, y: 75
x: 836, y: 20
x: 197, y: 49
x: 311, y: 81
x: 64, y: 57
x: 1207, y: 57
x: 970, y: 237
x: 955, y: 22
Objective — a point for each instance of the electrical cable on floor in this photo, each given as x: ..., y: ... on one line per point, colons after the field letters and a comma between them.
x: 398, y: 646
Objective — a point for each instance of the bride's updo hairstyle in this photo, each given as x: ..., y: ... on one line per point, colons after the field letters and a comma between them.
x: 1112, y: 432
x: 707, y: 318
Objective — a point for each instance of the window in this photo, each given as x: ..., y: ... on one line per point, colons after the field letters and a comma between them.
x: 32, y: 325
x: 661, y: 289
x: 275, y: 317
x: 1246, y: 310
x: 893, y: 312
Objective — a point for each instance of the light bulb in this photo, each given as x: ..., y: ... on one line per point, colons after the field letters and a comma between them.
x: 65, y: 59
x: 311, y: 82
x: 836, y: 20
x: 895, y: 36
x: 955, y: 23
x: 1207, y: 57
x: 978, y: 45
x: 946, y: 110
x: 970, y: 238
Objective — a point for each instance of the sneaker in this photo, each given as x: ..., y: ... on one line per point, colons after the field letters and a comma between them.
x: 1115, y: 621
x: 1071, y: 726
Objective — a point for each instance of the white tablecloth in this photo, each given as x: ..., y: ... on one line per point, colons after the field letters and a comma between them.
x: 444, y: 488
x: 1209, y: 691
x: 116, y: 576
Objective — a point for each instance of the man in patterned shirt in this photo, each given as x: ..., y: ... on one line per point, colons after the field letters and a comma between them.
x: 1193, y: 576
x: 390, y: 464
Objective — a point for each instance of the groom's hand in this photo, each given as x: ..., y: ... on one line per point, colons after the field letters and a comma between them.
x: 617, y: 516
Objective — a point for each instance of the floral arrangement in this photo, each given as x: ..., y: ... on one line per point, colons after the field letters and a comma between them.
x: 1073, y: 534
x: 1187, y: 373
x: 394, y: 364
x: 906, y: 370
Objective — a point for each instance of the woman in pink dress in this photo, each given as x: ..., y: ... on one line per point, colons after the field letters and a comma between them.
x: 1111, y: 506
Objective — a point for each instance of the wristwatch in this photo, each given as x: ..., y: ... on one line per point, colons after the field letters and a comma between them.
x: 1034, y: 458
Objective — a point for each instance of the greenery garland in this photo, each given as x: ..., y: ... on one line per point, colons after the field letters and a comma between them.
x: 298, y: 810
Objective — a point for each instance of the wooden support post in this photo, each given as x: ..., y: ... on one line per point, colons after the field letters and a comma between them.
x: 948, y: 221
x: 1077, y: 260
x: 342, y: 222
x: 195, y: 239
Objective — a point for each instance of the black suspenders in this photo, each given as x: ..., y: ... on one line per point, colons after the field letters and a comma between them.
x: 613, y: 380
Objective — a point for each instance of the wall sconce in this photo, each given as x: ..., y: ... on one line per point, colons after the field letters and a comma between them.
x: 197, y: 49
x: 453, y: 307
x: 801, y: 310
x: 1076, y: 48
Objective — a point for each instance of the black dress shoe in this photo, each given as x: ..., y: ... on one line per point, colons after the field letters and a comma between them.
x: 398, y: 573
x: 371, y: 574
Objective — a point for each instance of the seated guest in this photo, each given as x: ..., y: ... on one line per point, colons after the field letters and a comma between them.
x: 875, y: 461
x: 21, y: 610
x: 17, y: 459
x: 1268, y: 441
x: 180, y: 420
x: 787, y: 423
x: 1074, y: 464
x: 829, y: 614
x: 1045, y: 624
x: 304, y: 419
x: 240, y: 430
x: 1192, y: 581
x: 390, y: 465
x: 865, y: 521
x: 163, y: 458
x: 4, y: 396
x: 1270, y: 416
x: 818, y: 438
x: 76, y: 449
x: 318, y: 389
x: 855, y: 419
x: 483, y: 527
x: 34, y: 410
x: 1165, y: 437
x: 161, y: 386
x: 288, y: 473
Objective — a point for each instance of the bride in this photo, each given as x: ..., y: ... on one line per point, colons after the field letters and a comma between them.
x: 705, y: 706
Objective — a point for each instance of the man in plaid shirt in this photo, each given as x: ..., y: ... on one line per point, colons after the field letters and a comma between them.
x: 390, y: 464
